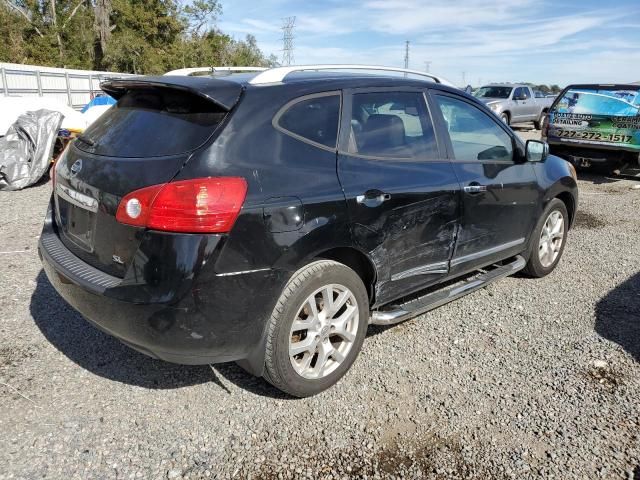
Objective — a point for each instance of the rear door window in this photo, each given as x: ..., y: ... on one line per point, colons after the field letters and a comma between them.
x: 474, y: 134
x: 313, y: 119
x: 391, y: 124
x: 152, y: 122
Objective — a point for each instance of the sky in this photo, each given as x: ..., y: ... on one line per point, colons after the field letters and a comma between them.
x: 475, y: 41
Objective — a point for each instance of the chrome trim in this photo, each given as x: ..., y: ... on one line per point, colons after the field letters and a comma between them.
x: 230, y: 274
x: 440, y: 297
x: 487, y: 252
x: 76, y: 198
x: 276, y: 118
x: 439, y: 267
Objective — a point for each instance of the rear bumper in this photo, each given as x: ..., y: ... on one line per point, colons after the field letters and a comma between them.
x: 205, y: 318
x: 577, y: 153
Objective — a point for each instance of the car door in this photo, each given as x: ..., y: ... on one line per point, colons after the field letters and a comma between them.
x: 401, y: 191
x: 531, y: 104
x: 520, y: 108
x: 500, y: 193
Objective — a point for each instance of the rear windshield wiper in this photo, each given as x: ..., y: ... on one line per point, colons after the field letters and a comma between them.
x: 89, y: 141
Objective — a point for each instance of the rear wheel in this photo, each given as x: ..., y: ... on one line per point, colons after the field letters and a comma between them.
x: 537, y: 124
x: 548, y: 241
x: 317, y: 328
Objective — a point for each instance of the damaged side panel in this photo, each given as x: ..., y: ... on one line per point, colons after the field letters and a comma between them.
x: 409, y: 232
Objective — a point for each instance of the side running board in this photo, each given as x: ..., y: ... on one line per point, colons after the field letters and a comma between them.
x: 401, y: 312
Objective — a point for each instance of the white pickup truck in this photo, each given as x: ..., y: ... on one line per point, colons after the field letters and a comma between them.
x: 515, y: 103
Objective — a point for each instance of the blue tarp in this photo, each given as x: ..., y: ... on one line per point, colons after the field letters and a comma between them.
x: 101, y: 100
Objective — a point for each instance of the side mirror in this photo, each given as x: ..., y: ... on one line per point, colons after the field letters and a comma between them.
x: 520, y: 97
x: 536, y: 151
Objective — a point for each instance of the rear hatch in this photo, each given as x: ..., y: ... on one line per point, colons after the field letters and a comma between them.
x: 143, y: 140
x: 602, y: 116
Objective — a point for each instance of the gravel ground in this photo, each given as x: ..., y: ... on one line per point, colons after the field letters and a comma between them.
x: 524, y: 379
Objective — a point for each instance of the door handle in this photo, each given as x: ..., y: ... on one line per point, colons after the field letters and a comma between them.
x: 474, y: 188
x: 373, y: 198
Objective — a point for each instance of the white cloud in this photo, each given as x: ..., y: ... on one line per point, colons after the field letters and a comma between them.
x: 501, y: 40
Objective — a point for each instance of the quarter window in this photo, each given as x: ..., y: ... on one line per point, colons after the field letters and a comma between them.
x: 391, y: 124
x: 474, y: 135
x: 314, y: 119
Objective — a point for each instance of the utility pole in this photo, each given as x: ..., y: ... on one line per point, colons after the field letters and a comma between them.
x: 427, y: 66
x: 464, y: 79
x: 287, y: 40
x: 406, y: 56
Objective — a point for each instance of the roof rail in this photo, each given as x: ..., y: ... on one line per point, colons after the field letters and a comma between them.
x: 185, y: 72
x: 278, y: 74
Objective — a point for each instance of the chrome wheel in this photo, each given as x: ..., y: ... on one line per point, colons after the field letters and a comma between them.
x: 323, y: 331
x: 551, y: 239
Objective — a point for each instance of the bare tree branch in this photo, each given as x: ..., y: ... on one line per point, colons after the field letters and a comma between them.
x: 73, y: 12
x: 12, y: 6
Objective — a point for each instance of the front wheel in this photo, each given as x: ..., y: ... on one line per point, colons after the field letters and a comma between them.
x: 505, y: 118
x: 548, y: 241
x: 316, y: 329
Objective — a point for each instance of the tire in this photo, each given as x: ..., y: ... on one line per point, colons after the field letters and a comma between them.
x: 505, y: 118
x: 337, y: 342
x: 537, y: 124
x: 539, y: 264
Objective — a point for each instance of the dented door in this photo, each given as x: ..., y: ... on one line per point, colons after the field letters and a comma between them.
x: 402, y: 196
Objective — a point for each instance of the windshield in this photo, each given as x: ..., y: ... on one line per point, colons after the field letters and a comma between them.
x: 493, y: 92
x: 600, y: 101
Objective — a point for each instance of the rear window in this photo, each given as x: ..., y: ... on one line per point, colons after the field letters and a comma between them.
x: 312, y: 118
x: 152, y: 122
x: 600, y: 101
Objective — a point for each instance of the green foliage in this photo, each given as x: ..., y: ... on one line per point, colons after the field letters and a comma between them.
x: 137, y: 36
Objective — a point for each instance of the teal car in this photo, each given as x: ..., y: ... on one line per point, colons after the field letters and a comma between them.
x: 596, y: 125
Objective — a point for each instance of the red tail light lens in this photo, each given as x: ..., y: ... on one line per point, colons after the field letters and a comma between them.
x: 201, y: 205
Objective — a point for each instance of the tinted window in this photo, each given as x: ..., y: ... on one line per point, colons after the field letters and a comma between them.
x: 474, y: 134
x: 315, y: 119
x: 391, y: 124
x: 493, y: 92
x: 153, y: 122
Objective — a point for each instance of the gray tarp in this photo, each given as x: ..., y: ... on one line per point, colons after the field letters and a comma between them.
x: 26, y: 150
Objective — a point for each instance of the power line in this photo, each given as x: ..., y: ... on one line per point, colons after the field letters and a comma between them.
x: 287, y: 40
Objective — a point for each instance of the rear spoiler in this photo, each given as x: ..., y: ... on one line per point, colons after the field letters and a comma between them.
x: 224, y: 93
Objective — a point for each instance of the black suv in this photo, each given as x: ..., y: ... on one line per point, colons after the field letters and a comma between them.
x: 268, y: 222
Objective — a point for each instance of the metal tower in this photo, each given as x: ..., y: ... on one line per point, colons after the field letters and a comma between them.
x: 287, y: 40
x: 406, y: 54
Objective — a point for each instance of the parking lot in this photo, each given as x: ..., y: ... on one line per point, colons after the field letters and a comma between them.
x: 525, y: 378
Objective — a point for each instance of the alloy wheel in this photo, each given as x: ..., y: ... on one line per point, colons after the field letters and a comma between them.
x: 551, y: 239
x: 323, y: 332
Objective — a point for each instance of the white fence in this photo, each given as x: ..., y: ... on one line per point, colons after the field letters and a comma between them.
x: 76, y: 88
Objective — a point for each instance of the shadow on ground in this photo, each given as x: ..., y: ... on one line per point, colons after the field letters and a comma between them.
x: 618, y: 316
x: 106, y: 357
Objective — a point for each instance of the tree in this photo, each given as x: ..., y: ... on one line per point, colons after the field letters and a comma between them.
x: 136, y: 36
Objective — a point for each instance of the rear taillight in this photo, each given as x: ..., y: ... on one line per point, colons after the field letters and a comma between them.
x: 201, y: 205
x: 59, y: 159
